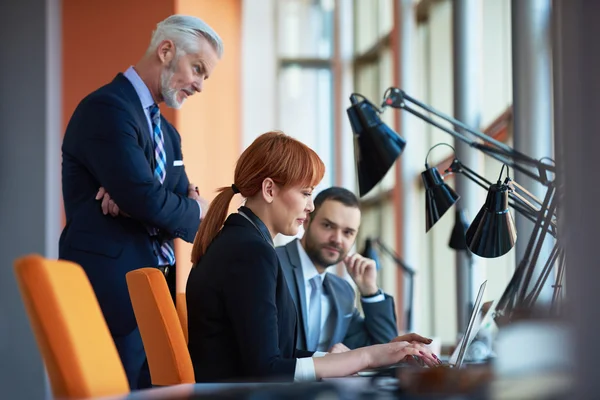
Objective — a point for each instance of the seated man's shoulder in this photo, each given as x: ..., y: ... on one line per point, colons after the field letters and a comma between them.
x: 340, y: 284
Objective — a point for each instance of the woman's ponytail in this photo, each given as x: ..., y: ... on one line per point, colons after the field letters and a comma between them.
x: 212, y: 222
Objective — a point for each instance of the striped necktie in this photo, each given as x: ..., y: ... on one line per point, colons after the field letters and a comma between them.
x: 160, y: 172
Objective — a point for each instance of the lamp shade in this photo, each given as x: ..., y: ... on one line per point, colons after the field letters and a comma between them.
x: 461, y: 224
x: 492, y: 233
x: 439, y: 197
x: 369, y: 252
x: 376, y: 145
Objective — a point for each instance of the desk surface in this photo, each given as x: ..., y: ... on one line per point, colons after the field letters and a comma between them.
x: 528, y: 387
x: 339, y: 387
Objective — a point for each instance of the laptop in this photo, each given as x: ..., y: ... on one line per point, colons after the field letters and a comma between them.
x: 457, y: 358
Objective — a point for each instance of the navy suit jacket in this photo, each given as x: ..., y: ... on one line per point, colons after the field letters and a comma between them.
x: 351, y: 329
x: 108, y: 143
x: 241, y: 317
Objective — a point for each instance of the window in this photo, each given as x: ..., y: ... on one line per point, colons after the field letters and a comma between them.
x: 305, y: 98
x: 305, y: 28
x: 305, y: 84
x: 374, y: 65
x: 305, y: 52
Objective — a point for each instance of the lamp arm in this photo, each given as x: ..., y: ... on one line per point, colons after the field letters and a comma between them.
x: 531, y: 299
x: 530, y: 195
x: 397, y: 98
x: 458, y: 167
x: 524, y: 200
x: 534, y: 247
x: 514, y: 295
x: 536, y: 209
x: 558, y: 283
x: 395, y: 257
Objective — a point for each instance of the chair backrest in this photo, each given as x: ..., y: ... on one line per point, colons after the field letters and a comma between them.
x: 166, y: 348
x: 76, y: 345
x: 182, y: 312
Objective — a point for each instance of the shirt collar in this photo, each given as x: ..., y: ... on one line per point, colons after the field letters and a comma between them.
x: 140, y: 87
x: 308, y: 268
x: 257, y: 222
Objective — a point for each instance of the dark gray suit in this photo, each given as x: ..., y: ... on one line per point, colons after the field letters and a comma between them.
x: 378, y: 325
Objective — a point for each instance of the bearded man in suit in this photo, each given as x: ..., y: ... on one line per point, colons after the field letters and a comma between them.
x: 329, y: 319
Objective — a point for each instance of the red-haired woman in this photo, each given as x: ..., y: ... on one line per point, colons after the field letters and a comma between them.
x: 241, y: 317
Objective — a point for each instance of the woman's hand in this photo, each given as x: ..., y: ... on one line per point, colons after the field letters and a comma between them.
x: 383, y: 355
x: 412, y: 337
x: 338, y: 348
x: 379, y: 355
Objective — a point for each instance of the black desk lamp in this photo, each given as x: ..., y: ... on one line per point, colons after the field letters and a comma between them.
x: 519, y: 293
x: 492, y: 233
x: 377, y: 146
x: 457, y: 237
x: 369, y: 252
x: 439, y: 197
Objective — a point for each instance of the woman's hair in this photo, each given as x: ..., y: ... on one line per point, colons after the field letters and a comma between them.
x: 184, y: 31
x: 274, y: 155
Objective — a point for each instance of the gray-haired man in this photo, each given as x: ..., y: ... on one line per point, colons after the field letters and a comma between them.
x: 126, y: 193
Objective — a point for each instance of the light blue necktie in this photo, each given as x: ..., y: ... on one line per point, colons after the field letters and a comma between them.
x: 160, y: 171
x: 314, y: 313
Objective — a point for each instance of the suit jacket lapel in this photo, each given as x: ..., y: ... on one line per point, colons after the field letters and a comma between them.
x: 145, y: 140
x: 292, y: 251
x: 336, y: 313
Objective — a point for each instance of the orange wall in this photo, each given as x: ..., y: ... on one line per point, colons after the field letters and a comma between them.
x: 102, y: 38
x: 210, y: 123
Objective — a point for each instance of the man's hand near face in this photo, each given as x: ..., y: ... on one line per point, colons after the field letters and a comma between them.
x: 363, y: 272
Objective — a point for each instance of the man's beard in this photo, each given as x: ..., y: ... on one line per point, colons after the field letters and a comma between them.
x: 314, y: 251
x: 169, y: 94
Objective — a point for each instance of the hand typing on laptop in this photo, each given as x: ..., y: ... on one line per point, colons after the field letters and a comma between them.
x: 415, y: 338
x: 412, y: 338
x: 414, y: 352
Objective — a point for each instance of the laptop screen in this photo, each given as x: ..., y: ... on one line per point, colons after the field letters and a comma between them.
x: 458, y: 356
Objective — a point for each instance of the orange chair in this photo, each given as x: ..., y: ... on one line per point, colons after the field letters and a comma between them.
x: 165, y: 344
x: 182, y: 312
x: 76, y: 346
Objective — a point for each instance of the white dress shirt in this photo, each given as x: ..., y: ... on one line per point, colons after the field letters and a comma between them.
x: 309, y: 271
x: 305, y: 367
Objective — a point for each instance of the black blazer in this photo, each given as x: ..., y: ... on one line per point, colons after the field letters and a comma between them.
x: 350, y: 328
x: 241, y: 317
x: 108, y: 143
